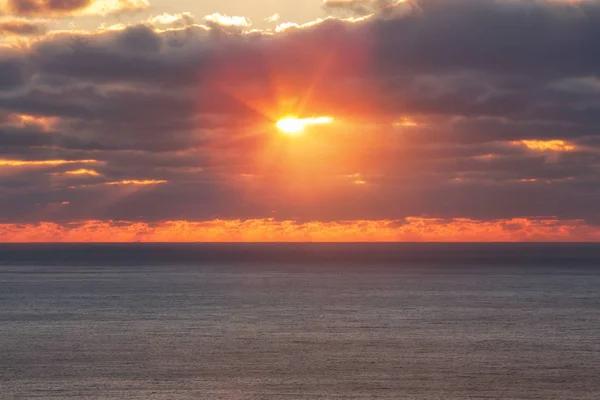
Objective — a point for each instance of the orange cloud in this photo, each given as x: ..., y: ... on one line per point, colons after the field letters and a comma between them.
x: 268, y: 230
x: 544, y: 145
x: 406, y: 123
x: 357, y: 179
x: 26, y: 163
x: 19, y: 27
x: 136, y: 182
x: 83, y: 171
x: 41, y: 121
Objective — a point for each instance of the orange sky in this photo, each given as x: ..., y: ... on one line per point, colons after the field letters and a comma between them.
x: 267, y: 230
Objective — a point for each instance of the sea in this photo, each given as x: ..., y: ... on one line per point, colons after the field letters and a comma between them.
x: 300, y: 321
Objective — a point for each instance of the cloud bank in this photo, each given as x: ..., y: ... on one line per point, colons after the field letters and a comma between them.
x: 410, y: 229
x: 464, y: 109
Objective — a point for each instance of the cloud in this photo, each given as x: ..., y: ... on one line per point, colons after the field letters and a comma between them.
x: 360, y: 7
x: 83, y: 171
x: 432, y: 119
x: 63, y: 8
x: 545, y: 145
x: 226, y: 23
x: 268, y: 230
x: 36, y: 163
x: 13, y: 71
x: 20, y: 27
x: 177, y: 20
x: 139, y: 39
x: 45, y: 7
x: 273, y: 18
x: 137, y: 182
x: 226, y: 20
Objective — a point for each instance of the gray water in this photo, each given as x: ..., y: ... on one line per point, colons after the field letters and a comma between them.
x: 317, y: 327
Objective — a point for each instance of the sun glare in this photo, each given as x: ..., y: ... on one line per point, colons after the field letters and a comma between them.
x: 293, y: 126
x: 290, y: 125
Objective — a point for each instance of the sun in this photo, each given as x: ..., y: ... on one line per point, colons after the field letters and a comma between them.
x: 291, y: 125
x: 294, y: 126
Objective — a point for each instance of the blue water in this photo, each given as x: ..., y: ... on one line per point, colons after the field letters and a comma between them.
x: 410, y: 321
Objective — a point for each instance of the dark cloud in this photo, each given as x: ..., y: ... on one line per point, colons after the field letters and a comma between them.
x: 23, y: 138
x: 512, y: 37
x: 46, y: 7
x: 131, y: 56
x: 139, y: 38
x: 13, y: 72
x: 63, y: 8
x: 21, y: 28
x: 433, y: 105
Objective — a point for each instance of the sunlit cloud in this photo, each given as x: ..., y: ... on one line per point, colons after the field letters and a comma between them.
x: 125, y: 183
x: 406, y: 123
x: 284, y: 26
x: 363, y: 8
x: 110, y: 28
x: 226, y: 20
x: 182, y: 19
x: 357, y: 179
x: 268, y: 230
x: 37, y: 120
x: 108, y: 7
x: 83, y: 171
x: 545, y: 145
x: 136, y: 182
x: 486, y: 157
x: 21, y: 163
x: 273, y: 18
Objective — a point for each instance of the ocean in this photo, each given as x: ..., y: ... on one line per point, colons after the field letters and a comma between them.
x: 300, y: 321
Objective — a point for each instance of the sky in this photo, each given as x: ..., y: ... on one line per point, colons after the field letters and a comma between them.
x: 273, y: 120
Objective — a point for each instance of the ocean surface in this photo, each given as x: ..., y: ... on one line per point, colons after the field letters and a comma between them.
x: 300, y: 321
